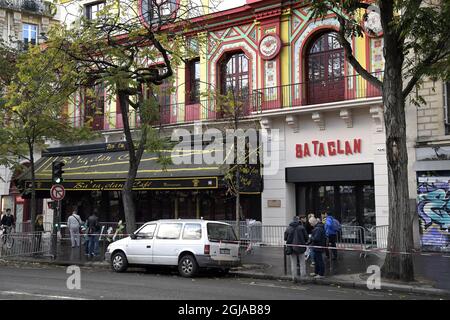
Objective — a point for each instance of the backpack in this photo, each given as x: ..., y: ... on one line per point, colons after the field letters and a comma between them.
x: 335, y: 225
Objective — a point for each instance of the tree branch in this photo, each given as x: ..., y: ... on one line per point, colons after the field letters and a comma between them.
x: 409, y: 14
x: 432, y: 58
x: 350, y: 56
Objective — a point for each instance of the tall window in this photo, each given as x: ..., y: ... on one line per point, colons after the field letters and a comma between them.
x: 325, y: 65
x: 162, y: 94
x: 164, y: 90
x: 94, y: 104
x: 193, y: 82
x: 29, y: 32
x: 158, y: 11
x: 234, y: 74
x: 92, y: 10
x: 447, y: 106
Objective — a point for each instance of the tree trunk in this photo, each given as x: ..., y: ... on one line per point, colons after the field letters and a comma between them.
x: 128, y: 205
x: 238, y: 202
x: 400, y: 237
x: 33, y: 189
x: 135, y: 156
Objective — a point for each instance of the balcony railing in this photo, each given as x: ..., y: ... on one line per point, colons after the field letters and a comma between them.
x: 35, y: 6
x: 100, y: 122
x: 205, y: 110
x: 281, y: 97
x: 315, y: 92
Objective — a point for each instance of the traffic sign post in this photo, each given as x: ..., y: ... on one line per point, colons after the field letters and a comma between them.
x: 57, y: 193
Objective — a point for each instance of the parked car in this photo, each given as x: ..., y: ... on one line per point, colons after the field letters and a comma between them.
x: 188, y: 244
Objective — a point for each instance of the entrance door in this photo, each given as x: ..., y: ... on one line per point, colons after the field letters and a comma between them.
x: 325, y: 63
x: 353, y: 204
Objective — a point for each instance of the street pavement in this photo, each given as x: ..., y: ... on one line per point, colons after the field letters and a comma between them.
x: 20, y: 280
x: 432, y: 272
x: 430, y: 269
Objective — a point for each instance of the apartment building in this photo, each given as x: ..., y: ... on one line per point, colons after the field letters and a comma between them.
x: 22, y: 23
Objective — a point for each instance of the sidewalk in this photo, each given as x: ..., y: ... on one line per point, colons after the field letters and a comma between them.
x: 432, y: 272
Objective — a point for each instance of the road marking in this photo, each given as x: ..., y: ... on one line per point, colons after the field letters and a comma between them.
x: 16, y: 293
x: 269, y: 285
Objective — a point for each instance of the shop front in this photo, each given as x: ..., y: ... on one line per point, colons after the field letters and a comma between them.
x: 346, y: 191
x: 94, y: 178
x: 433, y: 196
x: 335, y: 165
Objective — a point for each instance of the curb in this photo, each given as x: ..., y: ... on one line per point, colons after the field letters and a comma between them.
x: 332, y: 282
x: 94, y: 264
x: 349, y: 284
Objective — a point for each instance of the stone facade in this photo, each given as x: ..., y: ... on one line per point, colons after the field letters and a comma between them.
x: 429, y: 164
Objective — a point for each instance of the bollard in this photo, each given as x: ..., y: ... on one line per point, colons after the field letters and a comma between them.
x: 284, y: 260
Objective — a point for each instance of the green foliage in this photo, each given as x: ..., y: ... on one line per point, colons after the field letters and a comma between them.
x: 419, y: 27
x: 34, y: 104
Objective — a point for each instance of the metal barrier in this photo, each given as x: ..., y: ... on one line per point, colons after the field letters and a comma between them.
x: 255, y: 232
x: 24, y: 244
x: 26, y: 227
x: 273, y: 235
x: 379, y: 236
x: 351, y: 237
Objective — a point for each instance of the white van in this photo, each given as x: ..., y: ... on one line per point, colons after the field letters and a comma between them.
x: 188, y: 244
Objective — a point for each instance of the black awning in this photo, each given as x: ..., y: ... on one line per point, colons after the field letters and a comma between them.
x: 347, y: 172
x: 109, y: 170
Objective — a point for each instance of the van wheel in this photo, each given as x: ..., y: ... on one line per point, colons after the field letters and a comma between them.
x: 187, y: 266
x: 119, y: 262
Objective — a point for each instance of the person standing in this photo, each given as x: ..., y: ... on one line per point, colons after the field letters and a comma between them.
x: 39, y: 229
x: 318, y: 240
x: 74, y: 224
x: 296, y: 237
x: 309, y: 228
x: 93, y: 230
x: 332, y: 227
x: 8, y: 221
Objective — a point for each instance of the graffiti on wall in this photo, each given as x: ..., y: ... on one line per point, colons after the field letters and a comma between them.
x: 433, y: 208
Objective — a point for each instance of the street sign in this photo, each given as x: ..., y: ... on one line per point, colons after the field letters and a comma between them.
x: 57, y: 192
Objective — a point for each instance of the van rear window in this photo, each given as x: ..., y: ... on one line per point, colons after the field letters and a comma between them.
x: 220, y: 232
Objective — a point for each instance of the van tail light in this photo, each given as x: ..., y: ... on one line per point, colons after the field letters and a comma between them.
x: 207, y: 249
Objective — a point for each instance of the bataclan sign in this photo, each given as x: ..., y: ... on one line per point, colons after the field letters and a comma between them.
x: 329, y: 148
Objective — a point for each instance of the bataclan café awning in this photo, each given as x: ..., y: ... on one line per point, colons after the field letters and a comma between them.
x: 107, y: 170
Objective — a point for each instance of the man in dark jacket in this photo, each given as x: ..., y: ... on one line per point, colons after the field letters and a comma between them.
x: 8, y: 220
x: 296, y: 238
x: 93, y: 230
x: 318, y: 239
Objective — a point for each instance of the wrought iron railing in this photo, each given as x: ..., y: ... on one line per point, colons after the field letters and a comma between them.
x: 315, y: 92
x: 272, y: 98
x: 36, y: 6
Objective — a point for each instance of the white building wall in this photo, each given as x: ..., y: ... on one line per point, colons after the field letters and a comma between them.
x: 372, y: 151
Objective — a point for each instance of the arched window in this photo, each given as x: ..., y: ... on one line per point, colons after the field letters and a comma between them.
x: 325, y: 69
x: 234, y: 74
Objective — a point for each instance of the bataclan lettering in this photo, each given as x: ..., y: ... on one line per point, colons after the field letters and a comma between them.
x: 330, y: 148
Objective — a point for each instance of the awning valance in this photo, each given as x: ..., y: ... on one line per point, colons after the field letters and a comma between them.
x: 109, y: 170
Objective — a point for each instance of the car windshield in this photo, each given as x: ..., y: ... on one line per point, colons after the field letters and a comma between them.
x: 221, y: 232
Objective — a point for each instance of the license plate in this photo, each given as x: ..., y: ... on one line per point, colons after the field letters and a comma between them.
x: 224, y: 251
